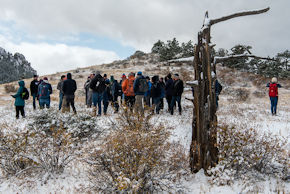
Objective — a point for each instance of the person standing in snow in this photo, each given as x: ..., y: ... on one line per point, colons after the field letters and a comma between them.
x: 147, y: 95
x: 33, y: 90
x: 87, y: 87
x: 273, y: 94
x: 69, y: 88
x: 44, y: 92
x: 106, y: 94
x: 123, y: 78
x: 162, y: 84
x: 218, y: 89
x: 19, y: 101
x: 128, y: 90
x: 168, y: 90
x: 115, y: 92
x: 140, y: 87
x: 156, y: 93
x: 98, y: 86
x: 59, y: 87
x: 176, y: 95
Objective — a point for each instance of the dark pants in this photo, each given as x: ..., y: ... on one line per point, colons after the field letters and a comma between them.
x: 173, y: 101
x: 168, y: 99
x: 115, y: 103
x: 34, y: 101
x: 97, y: 100
x: 217, y: 100
x: 130, y: 101
x: 70, y: 101
x: 21, y: 110
x: 274, y: 102
x: 161, y: 105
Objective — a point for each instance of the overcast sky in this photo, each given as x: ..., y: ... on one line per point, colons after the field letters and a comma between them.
x: 58, y: 35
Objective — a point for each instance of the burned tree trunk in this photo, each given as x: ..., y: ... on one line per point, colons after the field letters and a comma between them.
x: 203, y: 149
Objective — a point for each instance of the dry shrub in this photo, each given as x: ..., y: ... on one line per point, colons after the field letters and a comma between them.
x: 242, y: 94
x: 260, y: 81
x: 136, y: 158
x: 10, y: 88
x: 34, y: 152
x: 247, y: 155
x: 259, y: 93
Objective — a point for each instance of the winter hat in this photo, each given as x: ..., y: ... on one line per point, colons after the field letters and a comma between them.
x: 124, y: 76
x: 45, y: 78
x: 176, y: 75
x: 169, y: 76
x: 139, y: 73
x: 98, y: 72
x: 35, y: 75
x: 68, y: 76
x: 274, y: 80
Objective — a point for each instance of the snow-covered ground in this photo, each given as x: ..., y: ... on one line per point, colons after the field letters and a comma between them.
x: 250, y: 114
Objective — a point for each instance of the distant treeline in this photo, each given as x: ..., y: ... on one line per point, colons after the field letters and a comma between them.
x: 278, y: 67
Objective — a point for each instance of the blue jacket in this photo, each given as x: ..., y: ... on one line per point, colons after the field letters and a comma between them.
x: 136, y: 86
x: 18, y: 99
x: 44, y: 90
x: 149, y: 90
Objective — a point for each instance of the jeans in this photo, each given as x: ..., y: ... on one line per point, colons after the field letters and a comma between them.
x: 105, y: 102
x: 34, y: 100
x: 173, y: 101
x: 44, y: 102
x: 147, y: 100
x: 60, y: 100
x: 20, y: 109
x: 97, y: 100
x: 115, y: 103
x: 156, y: 104
x: 168, y: 99
x: 90, y: 98
x: 274, y: 102
x: 130, y: 101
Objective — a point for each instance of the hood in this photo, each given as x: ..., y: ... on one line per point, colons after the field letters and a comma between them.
x: 68, y: 76
x: 21, y: 83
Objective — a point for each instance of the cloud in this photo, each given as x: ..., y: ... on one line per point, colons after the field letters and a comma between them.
x: 141, y: 23
x: 50, y: 58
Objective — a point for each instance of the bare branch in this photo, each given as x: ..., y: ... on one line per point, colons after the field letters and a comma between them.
x: 222, y: 59
x: 240, y: 14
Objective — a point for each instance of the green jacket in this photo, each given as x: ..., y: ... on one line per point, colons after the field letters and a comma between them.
x: 18, y: 99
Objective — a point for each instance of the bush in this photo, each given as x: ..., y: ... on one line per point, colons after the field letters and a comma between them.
x: 242, y: 94
x: 248, y: 155
x: 136, y: 157
x: 9, y: 88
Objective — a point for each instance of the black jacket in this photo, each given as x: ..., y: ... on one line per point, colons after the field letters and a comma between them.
x: 34, y: 87
x: 169, y: 87
x: 177, y: 87
x: 98, y: 84
x: 69, y: 86
x: 156, y: 90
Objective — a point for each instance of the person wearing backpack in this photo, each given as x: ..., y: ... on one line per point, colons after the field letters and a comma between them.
x: 98, y: 86
x: 156, y: 93
x: 33, y: 89
x: 44, y: 92
x: 140, y: 87
x: 69, y: 88
x: 273, y: 94
x: 218, y: 89
x: 106, y: 94
x: 128, y: 90
x: 176, y: 95
x: 19, y: 100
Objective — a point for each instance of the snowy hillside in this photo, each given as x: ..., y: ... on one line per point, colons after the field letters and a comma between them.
x: 14, y: 67
x: 243, y: 105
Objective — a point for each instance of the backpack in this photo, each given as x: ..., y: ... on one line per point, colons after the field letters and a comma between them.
x: 25, y: 94
x: 101, y: 85
x: 273, y: 90
x: 143, y: 85
x: 44, y: 90
x: 130, y: 89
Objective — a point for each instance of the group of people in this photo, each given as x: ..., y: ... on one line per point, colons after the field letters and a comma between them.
x: 137, y: 92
